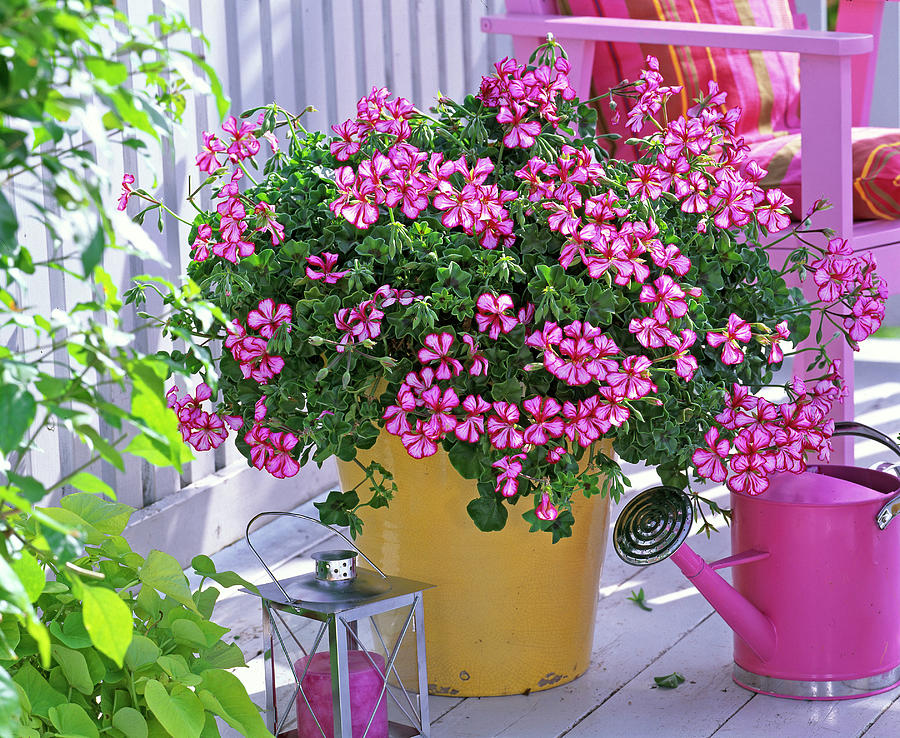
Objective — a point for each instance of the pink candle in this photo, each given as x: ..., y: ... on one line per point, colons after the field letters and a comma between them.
x: 365, y: 688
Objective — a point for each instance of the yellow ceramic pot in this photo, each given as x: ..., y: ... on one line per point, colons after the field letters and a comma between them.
x: 510, y: 611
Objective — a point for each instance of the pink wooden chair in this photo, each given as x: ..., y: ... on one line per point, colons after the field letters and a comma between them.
x: 836, y: 73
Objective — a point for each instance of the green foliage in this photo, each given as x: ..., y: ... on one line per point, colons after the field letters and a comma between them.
x: 118, y: 659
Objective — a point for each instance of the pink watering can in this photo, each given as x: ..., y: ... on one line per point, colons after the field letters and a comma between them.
x: 815, y: 605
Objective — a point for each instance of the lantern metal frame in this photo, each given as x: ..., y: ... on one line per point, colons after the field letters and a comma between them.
x: 339, y: 617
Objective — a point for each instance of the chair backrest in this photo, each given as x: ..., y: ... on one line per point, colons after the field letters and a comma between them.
x: 765, y: 84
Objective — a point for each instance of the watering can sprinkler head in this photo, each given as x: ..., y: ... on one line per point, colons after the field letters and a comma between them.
x: 652, y: 526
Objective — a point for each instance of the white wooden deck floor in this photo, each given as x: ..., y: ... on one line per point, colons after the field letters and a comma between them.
x: 617, y: 696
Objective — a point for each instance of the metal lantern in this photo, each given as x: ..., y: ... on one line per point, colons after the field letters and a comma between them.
x: 339, y: 596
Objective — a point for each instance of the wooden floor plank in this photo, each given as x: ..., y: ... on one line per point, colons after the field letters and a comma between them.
x: 696, y: 708
x: 777, y: 716
x: 618, y: 655
x: 886, y: 724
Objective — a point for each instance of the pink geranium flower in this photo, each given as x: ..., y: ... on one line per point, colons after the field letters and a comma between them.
x: 546, y: 424
x: 200, y: 247
x: 508, y: 479
x: 418, y: 442
x: 280, y: 463
x: 709, y: 460
x: 244, y: 144
x: 492, y: 314
x: 521, y: 132
x: 269, y: 224
x: 666, y: 296
x: 471, y: 428
x: 437, y: 348
x: 632, y: 380
x: 268, y: 316
x: 325, y: 264
x: 502, y: 428
x: 207, y: 161
x: 737, y: 332
x: 545, y: 509
x: 127, y: 190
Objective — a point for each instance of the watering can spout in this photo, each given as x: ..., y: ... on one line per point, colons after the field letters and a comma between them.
x: 654, y: 525
x: 751, y: 625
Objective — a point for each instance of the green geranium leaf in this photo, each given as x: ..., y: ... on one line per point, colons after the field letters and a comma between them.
x: 489, y: 513
x: 670, y: 681
x: 465, y: 459
x: 109, y: 622
x: 334, y: 511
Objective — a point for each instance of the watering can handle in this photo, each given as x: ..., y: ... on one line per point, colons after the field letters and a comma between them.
x: 303, y: 517
x: 852, y: 428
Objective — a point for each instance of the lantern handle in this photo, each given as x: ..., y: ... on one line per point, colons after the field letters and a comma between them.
x: 288, y: 598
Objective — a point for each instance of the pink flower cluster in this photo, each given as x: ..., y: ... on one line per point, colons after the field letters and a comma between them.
x: 243, y: 145
x: 230, y: 242
x: 726, y: 188
x: 375, y: 114
x: 271, y: 450
x: 426, y: 412
x: 363, y: 322
x: 840, y: 274
x: 756, y: 437
x: 525, y: 98
x: 202, y: 430
x: 252, y: 352
x: 411, y: 179
x: 407, y: 177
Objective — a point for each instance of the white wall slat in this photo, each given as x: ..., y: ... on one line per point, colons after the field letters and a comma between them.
x: 347, y: 57
x: 312, y: 66
x: 279, y: 36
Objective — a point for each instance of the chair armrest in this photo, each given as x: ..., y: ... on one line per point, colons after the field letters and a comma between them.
x: 626, y: 30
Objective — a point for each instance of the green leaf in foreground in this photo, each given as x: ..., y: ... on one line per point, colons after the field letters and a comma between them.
x: 162, y: 572
x: 670, y: 681
x: 108, y: 620
x: 9, y: 705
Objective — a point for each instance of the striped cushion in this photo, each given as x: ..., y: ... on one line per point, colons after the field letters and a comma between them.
x: 766, y: 85
x: 876, y: 170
